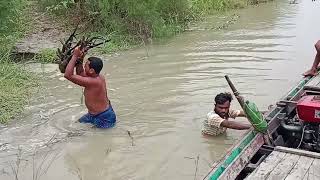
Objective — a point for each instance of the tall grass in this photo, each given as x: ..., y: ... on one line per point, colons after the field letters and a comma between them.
x: 12, y: 24
x: 15, y: 82
x: 130, y: 22
x: 209, y: 6
x: 137, y: 21
x: 127, y: 22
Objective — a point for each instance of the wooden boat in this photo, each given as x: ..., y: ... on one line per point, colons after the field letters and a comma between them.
x: 294, y: 133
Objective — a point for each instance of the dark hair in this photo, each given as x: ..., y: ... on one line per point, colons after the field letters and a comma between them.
x: 222, y: 98
x: 96, y: 64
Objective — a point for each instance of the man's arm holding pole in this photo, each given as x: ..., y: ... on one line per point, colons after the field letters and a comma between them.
x: 235, y: 125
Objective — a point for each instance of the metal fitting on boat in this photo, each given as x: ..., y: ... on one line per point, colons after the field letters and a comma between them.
x: 290, y: 127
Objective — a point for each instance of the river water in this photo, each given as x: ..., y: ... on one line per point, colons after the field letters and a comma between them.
x: 161, y: 94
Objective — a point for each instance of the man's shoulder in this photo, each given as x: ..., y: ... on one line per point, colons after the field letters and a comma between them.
x: 101, y: 78
x: 212, y: 114
x: 98, y: 79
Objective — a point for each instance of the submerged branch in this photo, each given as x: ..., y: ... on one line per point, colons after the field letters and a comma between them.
x: 129, y: 133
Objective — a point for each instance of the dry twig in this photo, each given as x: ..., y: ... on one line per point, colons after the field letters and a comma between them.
x: 65, y: 53
x: 196, y: 162
x: 129, y: 133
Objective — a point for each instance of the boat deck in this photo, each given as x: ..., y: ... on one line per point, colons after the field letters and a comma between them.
x: 288, y: 164
x: 245, y: 159
x: 313, y: 84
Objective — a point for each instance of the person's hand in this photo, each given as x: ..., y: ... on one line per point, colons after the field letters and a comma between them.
x: 80, y: 53
x: 310, y: 72
x: 317, y: 46
x: 77, y: 52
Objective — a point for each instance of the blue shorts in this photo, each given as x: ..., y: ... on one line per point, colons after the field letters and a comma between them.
x: 105, y: 119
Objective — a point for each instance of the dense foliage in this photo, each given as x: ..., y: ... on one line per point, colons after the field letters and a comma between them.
x: 15, y: 82
x: 136, y: 21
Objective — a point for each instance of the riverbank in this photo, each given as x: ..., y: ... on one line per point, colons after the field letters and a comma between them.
x: 16, y: 84
x: 127, y: 24
x: 136, y: 23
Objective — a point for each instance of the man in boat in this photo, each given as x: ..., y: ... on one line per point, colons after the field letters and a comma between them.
x: 313, y: 70
x: 218, y: 121
x: 100, y: 112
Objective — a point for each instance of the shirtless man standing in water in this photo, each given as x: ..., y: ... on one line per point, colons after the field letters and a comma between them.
x: 100, y: 112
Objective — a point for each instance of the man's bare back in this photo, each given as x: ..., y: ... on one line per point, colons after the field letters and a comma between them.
x: 100, y: 112
x: 96, y: 98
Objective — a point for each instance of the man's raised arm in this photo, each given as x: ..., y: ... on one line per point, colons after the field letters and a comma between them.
x: 70, y: 67
x: 80, y: 70
x: 69, y: 73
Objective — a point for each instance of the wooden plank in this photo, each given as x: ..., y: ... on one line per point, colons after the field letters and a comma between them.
x: 267, y: 166
x: 313, y: 84
x: 314, y: 81
x: 274, y: 124
x: 223, y: 159
x: 312, y: 88
x: 314, y: 171
x: 297, y: 152
x: 312, y: 92
x: 300, y: 169
x: 242, y: 160
x: 284, y: 167
x: 294, y: 93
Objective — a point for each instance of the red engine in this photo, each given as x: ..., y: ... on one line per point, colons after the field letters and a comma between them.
x: 308, y: 109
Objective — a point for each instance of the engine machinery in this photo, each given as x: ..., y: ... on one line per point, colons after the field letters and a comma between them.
x: 301, y: 129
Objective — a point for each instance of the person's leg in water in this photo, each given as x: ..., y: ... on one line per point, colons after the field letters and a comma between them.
x: 87, y: 118
x: 106, y: 119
